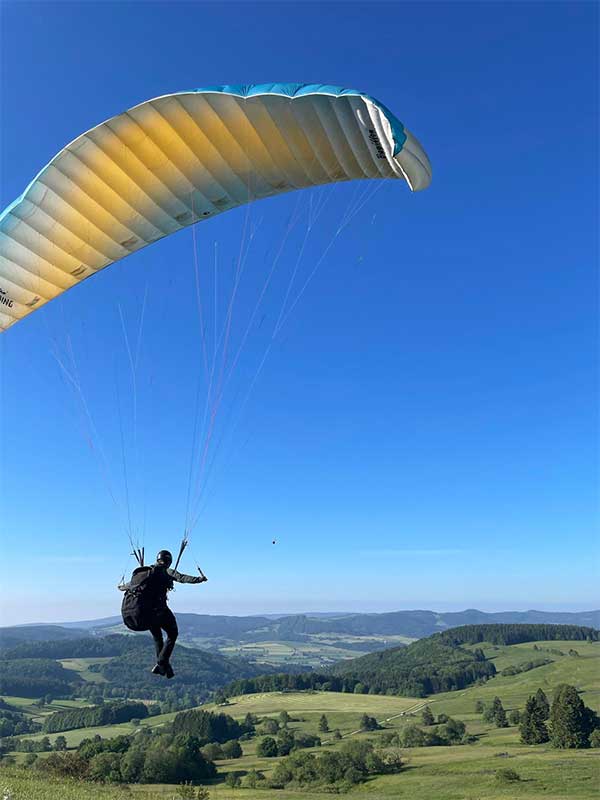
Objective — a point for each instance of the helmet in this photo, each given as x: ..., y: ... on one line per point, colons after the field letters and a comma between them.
x: 164, y: 558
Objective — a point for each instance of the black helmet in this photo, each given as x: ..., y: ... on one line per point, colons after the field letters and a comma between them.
x: 164, y: 558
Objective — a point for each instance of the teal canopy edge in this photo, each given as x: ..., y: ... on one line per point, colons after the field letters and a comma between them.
x: 304, y: 89
x: 254, y: 90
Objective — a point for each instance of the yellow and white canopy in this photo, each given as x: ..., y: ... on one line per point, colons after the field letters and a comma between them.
x: 175, y: 160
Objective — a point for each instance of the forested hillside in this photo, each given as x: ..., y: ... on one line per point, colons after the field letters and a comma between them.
x: 37, y: 678
x: 196, y: 670
x: 87, y: 647
x: 123, y: 670
x: 516, y: 634
x: 11, y: 637
x: 425, y: 667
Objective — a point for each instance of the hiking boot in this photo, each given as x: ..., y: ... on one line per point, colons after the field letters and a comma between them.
x: 169, y: 671
x: 158, y: 670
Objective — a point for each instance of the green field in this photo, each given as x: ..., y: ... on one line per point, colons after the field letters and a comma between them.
x: 464, y: 772
x: 82, y: 667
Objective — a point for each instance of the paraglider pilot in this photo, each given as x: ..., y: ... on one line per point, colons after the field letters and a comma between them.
x: 148, y: 588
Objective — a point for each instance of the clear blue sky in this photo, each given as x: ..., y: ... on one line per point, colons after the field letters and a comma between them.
x: 423, y: 433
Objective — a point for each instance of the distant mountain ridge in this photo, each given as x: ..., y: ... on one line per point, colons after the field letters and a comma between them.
x: 415, y: 624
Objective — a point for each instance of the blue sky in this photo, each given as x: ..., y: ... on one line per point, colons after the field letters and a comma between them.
x: 423, y: 432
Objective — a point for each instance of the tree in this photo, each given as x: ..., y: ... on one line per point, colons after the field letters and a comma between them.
x: 499, y: 714
x: 571, y: 722
x: 105, y: 768
x: 595, y: 738
x: 269, y: 726
x: 337, y: 734
x: 323, y: 724
x: 60, y: 743
x: 514, y: 717
x: 368, y: 723
x: 30, y: 759
x: 479, y: 707
x: 454, y: 730
x: 232, y: 749
x: 543, y: 704
x: 427, y: 717
x: 413, y: 736
x: 532, y: 725
x: 442, y: 719
x: 284, y: 718
x: 213, y: 751
x: 132, y: 765
x: 267, y: 747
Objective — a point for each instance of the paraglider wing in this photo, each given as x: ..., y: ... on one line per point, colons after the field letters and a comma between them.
x: 175, y: 160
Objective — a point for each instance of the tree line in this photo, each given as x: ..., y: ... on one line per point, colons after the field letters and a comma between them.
x: 95, y: 716
x: 14, y: 723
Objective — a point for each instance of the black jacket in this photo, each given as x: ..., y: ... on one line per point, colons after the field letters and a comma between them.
x: 162, y: 582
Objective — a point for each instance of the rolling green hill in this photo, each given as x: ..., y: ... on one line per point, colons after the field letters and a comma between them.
x: 425, y: 667
x: 458, y: 772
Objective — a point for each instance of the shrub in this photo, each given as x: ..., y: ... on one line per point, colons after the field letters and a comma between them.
x: 233, y: 781
x: 253, y: 779
x: 507, y: 775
